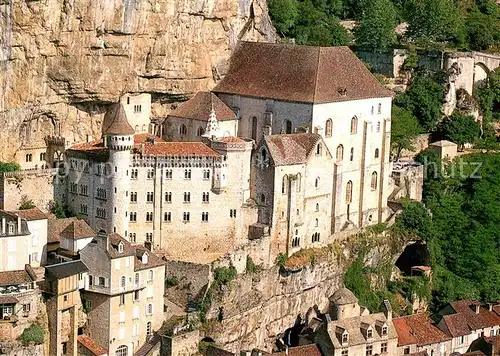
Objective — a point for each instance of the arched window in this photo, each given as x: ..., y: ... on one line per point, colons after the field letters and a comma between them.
x: 354, y: 125
x: 200, y: 131
x: 122, y: 282
x: 348, y: 192
x: 149, y: 329
x: 318, y: 149
x: 122, y: 351
x: 328, y: 128
x: 284, y: 185
x: 378, y: 126
x: 137, y: 278
x: 340, y: 152
x: 150, y: 275
x: 254, y: 128
x: 380, y: 108
x: 183, y: 129
x: 317, y: 207
x: 376, y: 153
x: 262, y: 199
x: 352, y: 154
x: 298, y: 183
x: 263, y: 154
x: 288, y: 126
x: 373, y: 183
x: 316, y: 183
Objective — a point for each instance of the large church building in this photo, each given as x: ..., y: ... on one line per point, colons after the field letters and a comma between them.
x: 293, y: 143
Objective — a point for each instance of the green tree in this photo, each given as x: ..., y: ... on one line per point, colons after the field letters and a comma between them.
x: 415, y: 218
x: 283, y: 13
x: 434, y: 21
x: 482, y: 31
x: 9, y: 167
x: 33, y: 334
x: 459, y: 128
x: 404, y: 129
x: 26, y: 203
x: 329, y: 7
x: 376, y: 27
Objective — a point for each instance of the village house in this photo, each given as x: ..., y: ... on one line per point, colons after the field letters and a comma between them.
x: 465, y: 321
x: 23, y: 239
x: 417, y: 333
x: 124, y: 295
x: 66, y: 237
x: 350, y: 330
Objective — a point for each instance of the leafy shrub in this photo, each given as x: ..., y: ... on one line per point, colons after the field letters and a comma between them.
x: 224, y: 275
x: 281, y: 260
x: 33, y: 334
x: 251, y: 267
x: 171, y: 281
x: 26, y: 203
x: 9, y: 167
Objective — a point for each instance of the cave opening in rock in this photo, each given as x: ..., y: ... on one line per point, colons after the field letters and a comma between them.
x: 416, y: 254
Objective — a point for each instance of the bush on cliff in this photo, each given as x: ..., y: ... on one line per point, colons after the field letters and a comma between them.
x: 33, y: 334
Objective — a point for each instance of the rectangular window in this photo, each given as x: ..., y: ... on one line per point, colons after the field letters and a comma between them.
x: 345, y: 353
x: 168, y: 197
x: 134, y: 174
x: 185, y: 217
x: 149, y: 217
x: 149, y: 197
x: 206, y: 174
x: 133, y: 217
x: 406, y: 351
x: 101, y: 281
x: 26, y: 308
x: 206, y: 197
x: 369, y: 350
x: 136, y: 295
x: 133, y: 197
x: 204, y: 217
x: 149, y: 237
x: 137, y: 108
x: 151, y: 174
x: 122, y: 299
x: 383, y: 348
x: 232, y: 213
x: 132, y: 237
x: 167, y: 217
x: 187, y: 174
x: 187, y: 197
x: 168, y: 174
x: 122, y: 317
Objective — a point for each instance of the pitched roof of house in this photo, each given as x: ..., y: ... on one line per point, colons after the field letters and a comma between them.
x: 353, y: 327
x: 10, y: 278
x: 70, y: 228
x: 66, y: 269
x: 91, y: 345
x: 289, y: 149
x: 178, y: 149
x: 200, y: 106
x: 148, y: 345
x: 146, y: 137
x: 456, y: 325
x: 114, y: 240
x: 484, y: 319
x: 30, y: 214
x: 8, y: 300
x: 153, y: 259
x: 305, y: 350
x: 418, y: 329
x: 343, y: 296
x: 299, y: 73
x: 443, y: 143
x: 115, y: 121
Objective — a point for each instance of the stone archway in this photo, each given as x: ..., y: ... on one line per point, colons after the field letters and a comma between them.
x: 481, y: 72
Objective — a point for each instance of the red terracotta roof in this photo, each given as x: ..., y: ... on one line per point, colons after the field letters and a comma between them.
x: 178, y: 149
x: 89, y: 146
x: 484, y: 319
x: 200, y: 106
x: 115, y: 121
x: 229, y: 139
x: 91, y: 345
x: 306, y: 350
x: 8, y: 300
x: 456, y: 324
x: 148, y: 346
x: 11, y: 278
x: 30, y: 214
x: 144, y: 137
x: 418, y: 329
x: 76, y: 230
x: 299, y: 73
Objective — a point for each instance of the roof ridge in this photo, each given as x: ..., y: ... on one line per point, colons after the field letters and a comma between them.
x: 316, y: 75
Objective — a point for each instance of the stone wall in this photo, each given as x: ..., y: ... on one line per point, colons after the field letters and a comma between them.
x: 62, y: 61
x: 41, y: 186
x: 184, y: 344
x: 191, y: 279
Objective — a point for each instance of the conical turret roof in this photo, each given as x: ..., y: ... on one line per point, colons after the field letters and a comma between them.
x: 115, y: 121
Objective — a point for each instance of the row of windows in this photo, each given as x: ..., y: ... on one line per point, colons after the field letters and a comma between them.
x: 340, y: 153
x: 101, y: 213
x: 183, y: 130
x: 101, y: 193
x: 168, y: 174
x: 167, y: 217
x: 168, y: 197
x: 29, y: 157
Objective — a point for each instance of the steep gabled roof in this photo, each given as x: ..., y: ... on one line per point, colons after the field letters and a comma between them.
x: 91, y: 345
x: 30, y: 214
x: 199, y: 107
x: 289, y: 149
x: 115, y: 121
x: 418, y: 329
x: 299, y: 73
x: 77, y: 229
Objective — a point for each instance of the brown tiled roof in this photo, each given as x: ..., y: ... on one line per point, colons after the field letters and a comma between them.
x: 291, y: 148
x: 88, y: 146
x: 484, y: 319
x: 456, y: 324
x: 200, y: 106
x: 56, y: 226
x: 418, y: 329
x: 93, y: 150
x: 77, y: 229
x: 179, y: 149
x: 144, y: 137
x: 30, y: 214
x: 115, y: 121
x: 114, y: 240
x: 299, y: 73
x: 495, y: 342
x: 91, y: 345
x: 306, y: 350
x: 8, y: 278
x: 8, y: 300
x: 496, y: 309
x: 153, y: 260
x: 148, y: 346
x: 229, y: 139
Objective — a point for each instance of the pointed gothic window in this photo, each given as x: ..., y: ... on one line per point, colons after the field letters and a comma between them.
x: 328, y: 128
x: 348, y: 193
x: 340, y: 152
x: 354, y: 125
x: 284, y: 185
x: 374, y: 180
x: 200, y: 131
x: 376, y: 153
x: 183, y: 129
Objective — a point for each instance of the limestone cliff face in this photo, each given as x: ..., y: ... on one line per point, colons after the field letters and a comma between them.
x: 62, y: 61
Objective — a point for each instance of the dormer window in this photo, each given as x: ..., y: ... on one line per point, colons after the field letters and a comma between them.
x: 384, y: 330
x: 120, y: 247
x: 145, y: 258
x: 345, y: 338
x: 369, y: 333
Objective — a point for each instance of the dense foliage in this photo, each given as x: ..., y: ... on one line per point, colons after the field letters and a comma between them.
x: 433, y: 24
x: 404, y: 129
x: 33, y: 334
x: 60, y: 210
x: 26, y: 203
x: 9, y: 167
x: 462, y: 227
x: 459, y: 128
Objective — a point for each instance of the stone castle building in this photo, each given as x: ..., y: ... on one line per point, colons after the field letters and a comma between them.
x: 292, y: 143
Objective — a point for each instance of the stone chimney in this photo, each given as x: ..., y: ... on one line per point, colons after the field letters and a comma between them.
x: 102, y: 240
x: 387, y: 309
x: 475, y: 307
x: 490, y: 306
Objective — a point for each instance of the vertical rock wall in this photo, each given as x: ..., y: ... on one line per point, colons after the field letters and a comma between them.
x: 67, y: 59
